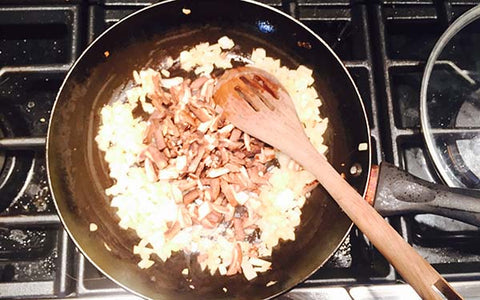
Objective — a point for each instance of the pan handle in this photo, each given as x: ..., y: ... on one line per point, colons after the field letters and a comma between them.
x: 398, y: 192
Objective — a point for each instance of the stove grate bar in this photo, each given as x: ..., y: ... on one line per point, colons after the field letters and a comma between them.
x: 23, y: 143
x: 50, y: 68
x: 32, y: 221
x: 27, y: 289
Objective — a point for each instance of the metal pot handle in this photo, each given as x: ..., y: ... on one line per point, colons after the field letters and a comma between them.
x: 398, y: 192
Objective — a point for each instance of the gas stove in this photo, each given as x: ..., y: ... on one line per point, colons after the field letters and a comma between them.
x: 384, y: 45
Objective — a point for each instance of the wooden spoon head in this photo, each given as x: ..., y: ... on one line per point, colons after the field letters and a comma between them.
x: 257, y: 103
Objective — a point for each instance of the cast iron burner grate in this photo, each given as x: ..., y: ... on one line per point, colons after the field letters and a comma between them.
x: 384, y: 45
x: 2, y: 158
x: 447, y: 244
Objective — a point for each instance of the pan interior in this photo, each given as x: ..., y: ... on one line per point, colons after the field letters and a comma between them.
x: 79, y: 175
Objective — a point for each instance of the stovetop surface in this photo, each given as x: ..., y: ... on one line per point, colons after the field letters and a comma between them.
x: 384, y: 45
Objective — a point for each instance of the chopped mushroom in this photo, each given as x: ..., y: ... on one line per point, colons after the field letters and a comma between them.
x: 213, y: 173
x: 191, y: 196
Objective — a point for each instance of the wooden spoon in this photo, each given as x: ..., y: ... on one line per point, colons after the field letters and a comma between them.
x: 255, y: 102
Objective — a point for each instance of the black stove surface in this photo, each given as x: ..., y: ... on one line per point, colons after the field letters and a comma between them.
x: 384, y: 45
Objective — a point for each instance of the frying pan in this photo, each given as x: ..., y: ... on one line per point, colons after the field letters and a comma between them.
x: 78, y: 175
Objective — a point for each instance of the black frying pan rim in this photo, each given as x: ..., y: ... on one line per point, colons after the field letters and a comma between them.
x: 125, y: 19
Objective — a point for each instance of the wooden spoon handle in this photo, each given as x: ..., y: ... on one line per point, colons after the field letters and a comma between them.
x: 271, y: 117
x: 410, y: 265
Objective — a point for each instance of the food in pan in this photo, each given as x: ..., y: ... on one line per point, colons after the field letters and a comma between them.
x: 187, y: 180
